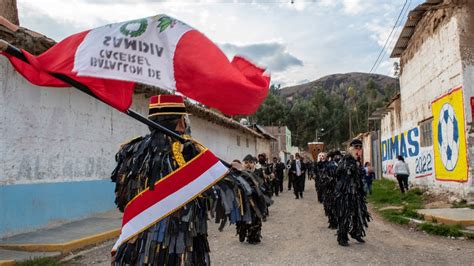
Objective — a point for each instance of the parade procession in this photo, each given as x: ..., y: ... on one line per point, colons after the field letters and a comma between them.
x: 233, y: 133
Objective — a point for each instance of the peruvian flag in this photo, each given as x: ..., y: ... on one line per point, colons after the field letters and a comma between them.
x: 159, y: 51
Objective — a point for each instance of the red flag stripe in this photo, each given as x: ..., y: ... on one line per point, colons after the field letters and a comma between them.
x: 167, y: 186
x: 203, y: 73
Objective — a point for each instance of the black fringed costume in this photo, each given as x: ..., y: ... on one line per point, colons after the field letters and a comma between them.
x: 351, y: 208
x: 250, y: 229
x: 325, y: 184
x: 180, y: 238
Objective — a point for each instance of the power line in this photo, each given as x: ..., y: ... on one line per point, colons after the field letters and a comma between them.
x: 238, y: 1
x: 391, y: 32
x: 392, y: 39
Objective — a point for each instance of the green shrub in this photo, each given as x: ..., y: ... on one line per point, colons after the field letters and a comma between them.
x: 441, y: 229
x: 409, y: 212
x: 394, y: 217
x: 39, y: 262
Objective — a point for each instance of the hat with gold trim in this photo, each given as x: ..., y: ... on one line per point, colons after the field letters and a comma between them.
x: 166, y: 104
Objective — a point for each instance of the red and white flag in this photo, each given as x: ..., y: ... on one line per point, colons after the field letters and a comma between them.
x: 159, y: 51
x: 170, y: 193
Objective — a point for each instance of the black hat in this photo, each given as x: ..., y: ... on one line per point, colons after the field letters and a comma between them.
x: 356, y: 142
x: 334, y: 153
x: 249, y: 158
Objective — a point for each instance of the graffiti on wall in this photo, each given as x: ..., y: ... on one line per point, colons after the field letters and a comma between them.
x: 407, y: 144
x: 449, y: 137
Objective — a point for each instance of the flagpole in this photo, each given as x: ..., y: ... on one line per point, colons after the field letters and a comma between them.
x: 14, y: 51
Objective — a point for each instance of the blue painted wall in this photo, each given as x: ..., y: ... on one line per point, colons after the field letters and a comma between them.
x: 31, y: 206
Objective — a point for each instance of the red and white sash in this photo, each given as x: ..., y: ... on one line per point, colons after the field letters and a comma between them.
x: 170, y: 193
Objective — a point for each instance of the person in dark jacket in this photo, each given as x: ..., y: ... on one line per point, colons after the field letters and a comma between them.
x: 369, y: 177
x: 298, y: 169
x: 277, y: 169
x: 290, y: 174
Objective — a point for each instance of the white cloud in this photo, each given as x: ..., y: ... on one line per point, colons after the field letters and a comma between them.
x: 272, y: 55
x: 353, y: 7
x: 329, y: 36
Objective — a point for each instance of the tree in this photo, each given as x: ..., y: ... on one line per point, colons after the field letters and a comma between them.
x: 273, y: 110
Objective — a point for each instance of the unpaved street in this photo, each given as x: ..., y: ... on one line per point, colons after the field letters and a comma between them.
x: 296, y: 233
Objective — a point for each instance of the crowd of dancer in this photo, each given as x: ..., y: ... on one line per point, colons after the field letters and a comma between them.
x: 340, y: 185
x: 242, y: 197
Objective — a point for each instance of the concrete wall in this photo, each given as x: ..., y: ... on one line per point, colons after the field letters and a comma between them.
x: 434, y: 69
x: 264, y: 146
x: 57, y: 148
x: 222, y: 141
x: 466, y: 32
x: 431, y: 70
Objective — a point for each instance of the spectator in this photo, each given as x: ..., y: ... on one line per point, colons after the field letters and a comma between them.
x: 369, y: 177
x: 401, y: 172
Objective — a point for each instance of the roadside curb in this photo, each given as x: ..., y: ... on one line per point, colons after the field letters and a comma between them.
x: 445, y: 220
x: 7, y: 262
x: 63, y: 247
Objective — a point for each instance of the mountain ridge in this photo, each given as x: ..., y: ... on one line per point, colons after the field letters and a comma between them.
x: 340, y: 82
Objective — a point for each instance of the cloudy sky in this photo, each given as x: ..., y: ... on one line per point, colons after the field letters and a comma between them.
x: 298, y: 42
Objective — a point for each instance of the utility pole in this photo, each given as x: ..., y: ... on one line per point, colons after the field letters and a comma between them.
x: 351, y: 95
x: 350, y: 123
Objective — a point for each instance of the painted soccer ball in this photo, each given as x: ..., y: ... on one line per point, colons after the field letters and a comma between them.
x: 448, y: 136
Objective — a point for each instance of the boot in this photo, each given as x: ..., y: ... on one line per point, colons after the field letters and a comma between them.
x: 358, y: 239
x: 343, y: 243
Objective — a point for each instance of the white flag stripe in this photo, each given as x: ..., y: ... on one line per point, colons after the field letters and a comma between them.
x: 140, y: 50
x: 160, y: 209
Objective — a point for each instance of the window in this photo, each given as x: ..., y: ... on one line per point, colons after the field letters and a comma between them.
x: 426, y: 134
x: 238, y: 140
x: 247, y: 142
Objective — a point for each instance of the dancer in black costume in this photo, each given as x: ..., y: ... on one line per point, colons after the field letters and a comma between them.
x: 320, y: 175
x: 352, y: 214
x: 181, y: 237
x: 251, y: 230
x: 324, y: 173
x: 329, y: 201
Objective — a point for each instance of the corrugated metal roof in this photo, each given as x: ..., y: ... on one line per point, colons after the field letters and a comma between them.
x: 414, y: 17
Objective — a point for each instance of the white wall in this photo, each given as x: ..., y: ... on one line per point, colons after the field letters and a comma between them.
x: 58, y: 134
x: 222, y: 141
x: 263, y: 146
x: 434, y: 69
x: 62, y: 134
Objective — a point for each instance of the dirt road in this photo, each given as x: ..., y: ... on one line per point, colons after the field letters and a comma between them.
x: 296, y: 233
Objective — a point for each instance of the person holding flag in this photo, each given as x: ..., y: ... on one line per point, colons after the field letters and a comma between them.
x: 161, y: 178
x: 163, y: 166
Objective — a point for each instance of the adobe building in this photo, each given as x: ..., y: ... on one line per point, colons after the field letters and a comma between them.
x: 430, y: 121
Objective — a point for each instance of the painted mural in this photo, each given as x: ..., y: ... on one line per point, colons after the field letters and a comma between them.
x: 449, y: 138
x: 407, y: 144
